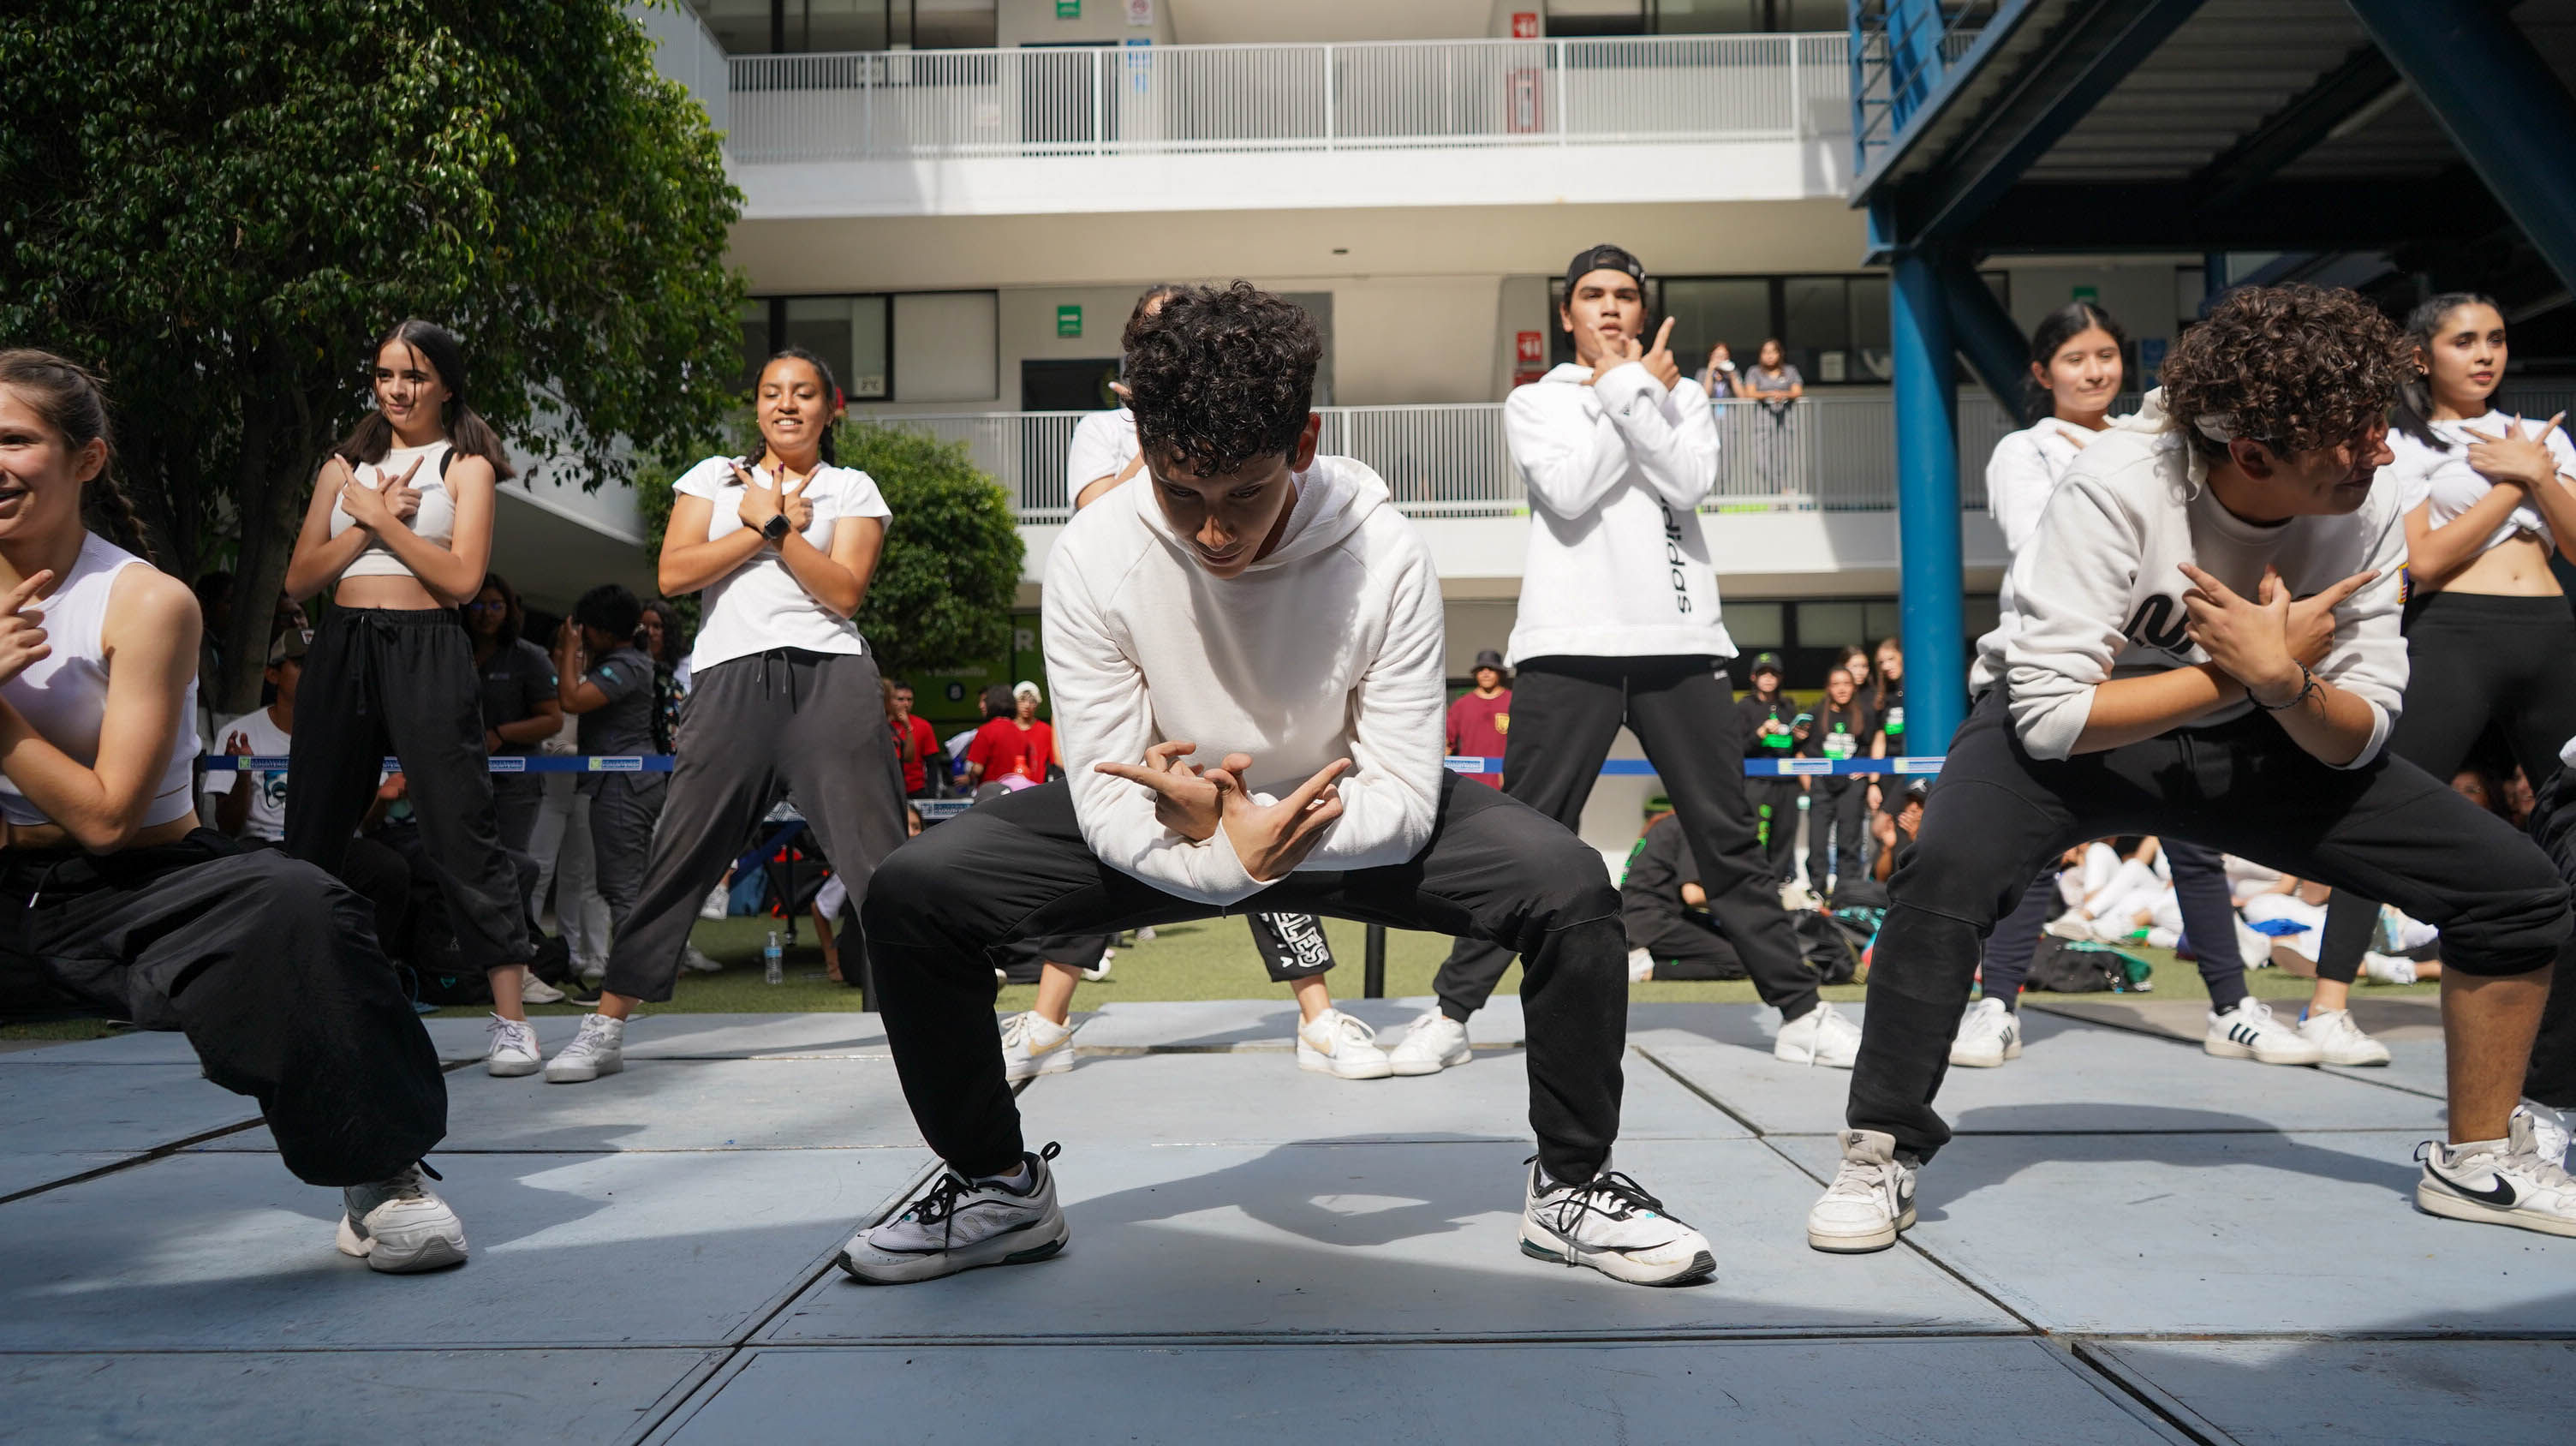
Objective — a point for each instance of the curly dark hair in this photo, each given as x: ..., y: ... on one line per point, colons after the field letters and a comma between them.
x: 2296, y: 368
x: 1218, y: 377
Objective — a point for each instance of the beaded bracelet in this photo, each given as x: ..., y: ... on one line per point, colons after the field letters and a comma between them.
x: 2307, y: 685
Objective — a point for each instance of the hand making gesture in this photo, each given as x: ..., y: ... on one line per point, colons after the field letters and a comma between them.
x: 761, y: 503
x: 22, y: 627
x: 1273, y: 839
x: 2248, y: 639
x: 1185, y: 801
x: 2312, y: 619
x: 391, y: 500
x: 1657, y: 359
x: 2516, y: 455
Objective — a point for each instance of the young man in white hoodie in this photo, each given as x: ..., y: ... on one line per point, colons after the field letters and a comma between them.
x: 2154, y: 673
x: 1250, y: 620
x: 1619, y: 624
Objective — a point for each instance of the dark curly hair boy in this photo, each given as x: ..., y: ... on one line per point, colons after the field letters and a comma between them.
x: 1220, y: 376
x: 2295, y: 368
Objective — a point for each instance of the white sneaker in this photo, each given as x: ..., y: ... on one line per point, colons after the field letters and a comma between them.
x: 2253, y: 946
x: 2070, y: 927
x: 1870, y: 1200
x: 599, y: 1049
x: 2497, y: 1182
x: 717, y: 899
x: 958, y: 1224
x: 1033, y: 1045
x: 1333, y: 1043
x: 1434, y: 1043
x: 1611, y: 1224
x: 1096, y: 975
x: 514, y: 1048
x: 400, y: 1226
x: 2388, y: 968
x: 2339, y: 1040
x: 1989, y: 1034
x: 1795, y: 895
x: 2549, y: 1134
x: 2161, y: 937
x: 2252, y: 1031
x: 695, y: 961
x: 1641, y: 965
x: 1823, y: 1035
x: 533, y: 990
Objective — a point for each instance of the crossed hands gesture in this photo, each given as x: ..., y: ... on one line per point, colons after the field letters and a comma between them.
x: 1657, y: 359
x: 2262, y: 641
x: 759, y: 503
x: 22, y: 628
x: 1195, y: 802
x: 2516, y: 455
x: 391, y: 500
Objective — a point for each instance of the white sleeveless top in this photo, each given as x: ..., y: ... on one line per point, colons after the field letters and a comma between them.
x: 435, y: 522
x: 64, y: 696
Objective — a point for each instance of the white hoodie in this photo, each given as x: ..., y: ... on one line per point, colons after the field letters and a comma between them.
x: 1331, y: 647
x: 2098, y: 592
x: 1617, y: 566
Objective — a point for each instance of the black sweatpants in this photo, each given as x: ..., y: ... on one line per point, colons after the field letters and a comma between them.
x: 786, y: 721
x: 1837, y: 820
x: 379, y: 680
x: 1775, y: 817
x: 2472, y: 660
x: 2208, y: 925
x: 1566, y: 712
x: 517, y: 799
x: 1685, y: 946
x: 1291, y: 946
x: 271, y: 967
x: 1017, y: 867
x: 623, y: 809
x: 1996, y: 814
x: 2551, y: 1078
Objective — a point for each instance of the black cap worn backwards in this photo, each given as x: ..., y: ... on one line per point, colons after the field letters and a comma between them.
x: 1604, y: 257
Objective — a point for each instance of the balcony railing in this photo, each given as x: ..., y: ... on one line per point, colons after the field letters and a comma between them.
x: 1829, y: 454
x: 1900, y: 52
x: 1109, y: 100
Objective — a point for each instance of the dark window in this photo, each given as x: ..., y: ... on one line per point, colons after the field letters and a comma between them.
x: 761, y: 27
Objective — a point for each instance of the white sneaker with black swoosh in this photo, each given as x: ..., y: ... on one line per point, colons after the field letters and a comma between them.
x: 1611, y: 1224
x: 1869, y: 1201
x: 958, y: 1224
x: 2497, y: 1182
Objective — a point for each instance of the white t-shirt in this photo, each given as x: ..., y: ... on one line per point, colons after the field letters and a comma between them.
x: 1103, y: 444
x: 267, y: 787
x: 760, y: 605
x: 2445, y: 479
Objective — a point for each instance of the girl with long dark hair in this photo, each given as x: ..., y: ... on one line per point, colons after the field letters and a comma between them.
x: 2488, y: 634
x: 400, y: 530
x: 116, y: 899
x: 519, y: 708
x: 783, y: 691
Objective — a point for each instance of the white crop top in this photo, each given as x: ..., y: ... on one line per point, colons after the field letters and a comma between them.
x: 435, y: 522
x: 64, y: 695
x: 2447, y: 481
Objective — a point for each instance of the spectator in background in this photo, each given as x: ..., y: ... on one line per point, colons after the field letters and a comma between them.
x: 519, y: 708
x: 606, y: 682
x: 914, y: 742
x: 1777, y: 386
x: 664, y: 636
x: 1842, y: 730
x: 1887, y: 705
x: 1671, y: 934
x: 1480, y: 720
x: 1719, y: 378
x: 1772, y: 731
x: 1772, y: 381
x: 1014, y: 741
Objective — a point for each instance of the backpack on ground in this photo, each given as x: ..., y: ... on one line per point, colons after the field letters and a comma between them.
x: 2080, y: 966
x: 1828, y: 949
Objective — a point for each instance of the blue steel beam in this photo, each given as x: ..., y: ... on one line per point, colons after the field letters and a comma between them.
x: 2500, y: 103
x: 1930, y: 580
x: 1990, y: 341
x: 1923, y: 107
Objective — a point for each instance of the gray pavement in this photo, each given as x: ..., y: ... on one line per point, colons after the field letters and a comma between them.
x: 2129, y: 1242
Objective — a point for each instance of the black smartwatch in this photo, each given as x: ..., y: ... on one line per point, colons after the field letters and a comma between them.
x: 776, y: 528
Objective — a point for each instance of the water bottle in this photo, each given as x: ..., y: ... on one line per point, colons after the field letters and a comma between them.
x: 773, y: 960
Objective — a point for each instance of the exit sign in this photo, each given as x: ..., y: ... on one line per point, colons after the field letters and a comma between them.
x: 1068, y: 319
x: 1525, y: 25
x: 1068, y: 9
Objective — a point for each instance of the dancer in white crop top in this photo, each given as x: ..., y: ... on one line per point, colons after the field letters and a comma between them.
x: 400, y: 530
x: 113, y: 897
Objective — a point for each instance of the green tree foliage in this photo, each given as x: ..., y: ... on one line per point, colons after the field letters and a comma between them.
x: 942, y: 595
x: 222, y: 202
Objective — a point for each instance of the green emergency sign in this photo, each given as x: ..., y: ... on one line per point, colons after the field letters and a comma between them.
x: 1068, y: 319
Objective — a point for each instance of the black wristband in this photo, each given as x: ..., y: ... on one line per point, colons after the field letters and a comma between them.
x: 2307, y: 685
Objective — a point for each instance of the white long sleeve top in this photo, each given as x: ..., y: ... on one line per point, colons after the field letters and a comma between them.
x: 1617, y: 565
x: 1331, y: 647
x: 2097, y: 593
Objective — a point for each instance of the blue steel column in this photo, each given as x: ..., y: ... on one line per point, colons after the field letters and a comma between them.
x: 1931, y: 581
x: 2502, y: 105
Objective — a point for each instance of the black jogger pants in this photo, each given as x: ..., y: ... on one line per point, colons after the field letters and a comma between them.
x: 1017, y: 868
x: 1566, y: 712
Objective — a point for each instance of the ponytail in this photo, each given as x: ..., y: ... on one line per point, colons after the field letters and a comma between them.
x: 2414, y: 414
x: 73, y: 401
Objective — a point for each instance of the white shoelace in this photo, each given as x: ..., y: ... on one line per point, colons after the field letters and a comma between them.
x: 1347, y: 1030
x: 1859, y: 1181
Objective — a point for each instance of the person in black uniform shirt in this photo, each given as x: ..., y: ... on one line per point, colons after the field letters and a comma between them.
x: 1842, y: 728
x: 1771, y: 731
x: 1665, y: 911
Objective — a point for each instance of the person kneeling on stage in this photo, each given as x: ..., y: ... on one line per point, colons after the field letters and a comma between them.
x: 1671, y: 934
x: 1246, y: 595
x: 121, y: 905
x: 2154, y: 675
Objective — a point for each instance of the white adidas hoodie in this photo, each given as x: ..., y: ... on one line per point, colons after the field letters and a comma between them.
x: 1617, y: 566
x: 2097, y: 593
x: 1331, y: 647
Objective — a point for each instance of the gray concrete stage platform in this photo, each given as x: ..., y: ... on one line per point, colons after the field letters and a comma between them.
x: 2128, y: 1242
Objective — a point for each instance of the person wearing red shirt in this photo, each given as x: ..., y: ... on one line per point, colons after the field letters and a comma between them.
x: 1013, y: 740
x: 1479, y: 721
x: 914, y: 741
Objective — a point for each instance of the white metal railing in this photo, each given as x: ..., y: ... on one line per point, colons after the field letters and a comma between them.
x: 1829, y: 453
x: 1124, y: 99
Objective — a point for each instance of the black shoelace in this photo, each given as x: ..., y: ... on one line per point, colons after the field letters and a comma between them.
x: 1610, y: 1194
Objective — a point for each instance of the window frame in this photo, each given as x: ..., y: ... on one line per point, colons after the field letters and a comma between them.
x: 776, y: 302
